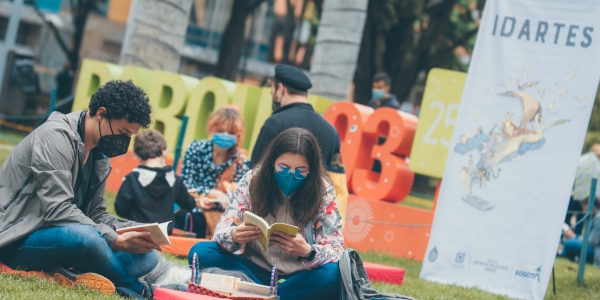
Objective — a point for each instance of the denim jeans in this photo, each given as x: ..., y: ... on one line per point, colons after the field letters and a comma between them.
x: 319, y: 283
x: 80, y: 247
x: 572, y: 248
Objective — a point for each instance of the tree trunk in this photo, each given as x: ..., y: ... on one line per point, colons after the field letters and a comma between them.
x: 288, y: 35
x: 365, y: 67
x: 337, y: 46
x: 232, y: 42
x: 80, y: 15
x: 404, y: 70
x: 155, y: 34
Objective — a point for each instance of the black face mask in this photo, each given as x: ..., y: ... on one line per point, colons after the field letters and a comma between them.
x: 274, y: 104
x: 114, y: 144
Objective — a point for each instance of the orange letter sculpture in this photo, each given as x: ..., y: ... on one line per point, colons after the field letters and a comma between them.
x: 348, y: 120
x: 360, y: 129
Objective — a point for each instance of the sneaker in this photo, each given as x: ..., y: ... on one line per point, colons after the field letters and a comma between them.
x: 70, y: 278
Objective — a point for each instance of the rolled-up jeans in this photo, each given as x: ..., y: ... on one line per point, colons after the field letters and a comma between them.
x: 82, y: 248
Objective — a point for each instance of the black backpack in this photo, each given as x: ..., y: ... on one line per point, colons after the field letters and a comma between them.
x: 355, y: 281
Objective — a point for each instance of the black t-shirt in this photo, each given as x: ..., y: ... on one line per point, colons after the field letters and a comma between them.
x: 89, y: 183
x: 301, y: 115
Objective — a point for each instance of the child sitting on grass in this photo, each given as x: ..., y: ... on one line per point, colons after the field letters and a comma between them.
x: 148, y: 193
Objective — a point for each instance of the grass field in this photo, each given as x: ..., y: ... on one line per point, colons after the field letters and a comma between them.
x: 13, y: 287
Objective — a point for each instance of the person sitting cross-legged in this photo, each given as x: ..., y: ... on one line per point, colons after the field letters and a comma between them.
x: 289, y: 185
x: 52, y: 210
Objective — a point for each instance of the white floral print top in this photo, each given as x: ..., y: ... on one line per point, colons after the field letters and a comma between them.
x: 327, y: 227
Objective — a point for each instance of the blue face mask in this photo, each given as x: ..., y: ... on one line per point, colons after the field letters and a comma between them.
x: 377, y: 94
x: 288, y: 182
x: 224, y: 140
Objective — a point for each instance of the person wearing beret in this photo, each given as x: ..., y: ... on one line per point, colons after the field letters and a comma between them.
x: 289, y: 89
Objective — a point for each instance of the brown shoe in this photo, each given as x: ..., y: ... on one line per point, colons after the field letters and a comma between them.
x: 94, y: 281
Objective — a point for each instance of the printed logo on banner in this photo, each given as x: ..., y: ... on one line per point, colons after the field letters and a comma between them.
x: 459, y: 261
x: 433, y: 255
x: 491, y: 266
x: 460, y: 257
x: 529, y: 274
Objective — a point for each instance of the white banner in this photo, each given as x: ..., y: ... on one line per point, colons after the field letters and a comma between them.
x: 521, y: 125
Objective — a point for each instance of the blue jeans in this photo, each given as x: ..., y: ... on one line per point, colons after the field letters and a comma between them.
x: 572, y: 248
x: 80, y: 247
x: 319, y: 283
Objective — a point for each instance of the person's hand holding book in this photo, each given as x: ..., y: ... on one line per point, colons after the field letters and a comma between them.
x: 292, y: 245
x: 243, y: 234
x: 134, y: 242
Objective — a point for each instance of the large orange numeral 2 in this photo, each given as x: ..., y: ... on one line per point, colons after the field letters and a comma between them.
x: 348, y: 119
x: 396, y: 179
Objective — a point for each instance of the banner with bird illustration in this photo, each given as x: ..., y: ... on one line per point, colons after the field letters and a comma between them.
x: 521, y: 124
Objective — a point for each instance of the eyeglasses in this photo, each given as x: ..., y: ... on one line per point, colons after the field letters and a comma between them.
x: 299, y: 173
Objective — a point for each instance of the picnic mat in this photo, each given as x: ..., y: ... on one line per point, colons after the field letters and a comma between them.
x: 165, y: 294
x: 384, y: 273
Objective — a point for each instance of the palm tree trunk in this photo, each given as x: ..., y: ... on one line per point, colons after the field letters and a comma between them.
x: 337, y: 47
x: 155, y: 34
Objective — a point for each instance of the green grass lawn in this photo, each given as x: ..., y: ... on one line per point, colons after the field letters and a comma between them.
x: 13, y: 287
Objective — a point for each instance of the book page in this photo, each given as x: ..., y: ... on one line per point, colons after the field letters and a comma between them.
x: 252, y: 219
x: 249, y: 295
x: 285, y: 228
x: 252, y: 288
x: 158, y: 232
x: 218, y: 282
x: 135, y: 228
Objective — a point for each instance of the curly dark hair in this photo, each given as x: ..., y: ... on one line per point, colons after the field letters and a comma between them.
x: 122, y: 99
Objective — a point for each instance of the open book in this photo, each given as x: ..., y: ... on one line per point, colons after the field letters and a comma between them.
x: 158, y: 232
x: 252, y: 219
x: 233, y: 286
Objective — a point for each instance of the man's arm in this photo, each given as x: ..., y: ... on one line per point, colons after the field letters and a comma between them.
x: 52, y: 162
x: 268, y: 132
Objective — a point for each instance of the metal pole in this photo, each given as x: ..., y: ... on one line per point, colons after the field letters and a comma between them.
x: 184, y: 122
x: 10, y: 37
x: 588, y: 227
x: 553, y: 281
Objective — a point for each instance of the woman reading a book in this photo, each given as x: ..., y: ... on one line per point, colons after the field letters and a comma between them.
x: 289, y: 186
x: 209, y: 165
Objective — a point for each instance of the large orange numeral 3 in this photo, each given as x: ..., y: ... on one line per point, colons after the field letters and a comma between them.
x: 348, y: 120
x: 359, y: 128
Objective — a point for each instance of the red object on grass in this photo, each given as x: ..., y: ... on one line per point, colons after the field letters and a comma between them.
x: 165, y: 294
x: 6, y: 269
x: 384, y: 273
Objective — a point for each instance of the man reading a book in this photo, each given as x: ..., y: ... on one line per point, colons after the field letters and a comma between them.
x: 52, y: 208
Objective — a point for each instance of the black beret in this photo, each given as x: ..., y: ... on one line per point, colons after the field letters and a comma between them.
x: 292, y: 77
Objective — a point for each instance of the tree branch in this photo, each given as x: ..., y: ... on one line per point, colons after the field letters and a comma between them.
x: 442, y: 57
x: 250, y: 7
x: 59, y: 38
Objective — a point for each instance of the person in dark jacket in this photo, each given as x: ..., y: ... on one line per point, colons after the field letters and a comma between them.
x: 380, y: 96
x: 289, y: 89
x: 148, y: 193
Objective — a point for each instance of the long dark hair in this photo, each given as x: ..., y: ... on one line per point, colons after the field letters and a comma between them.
x: 305, y: 203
